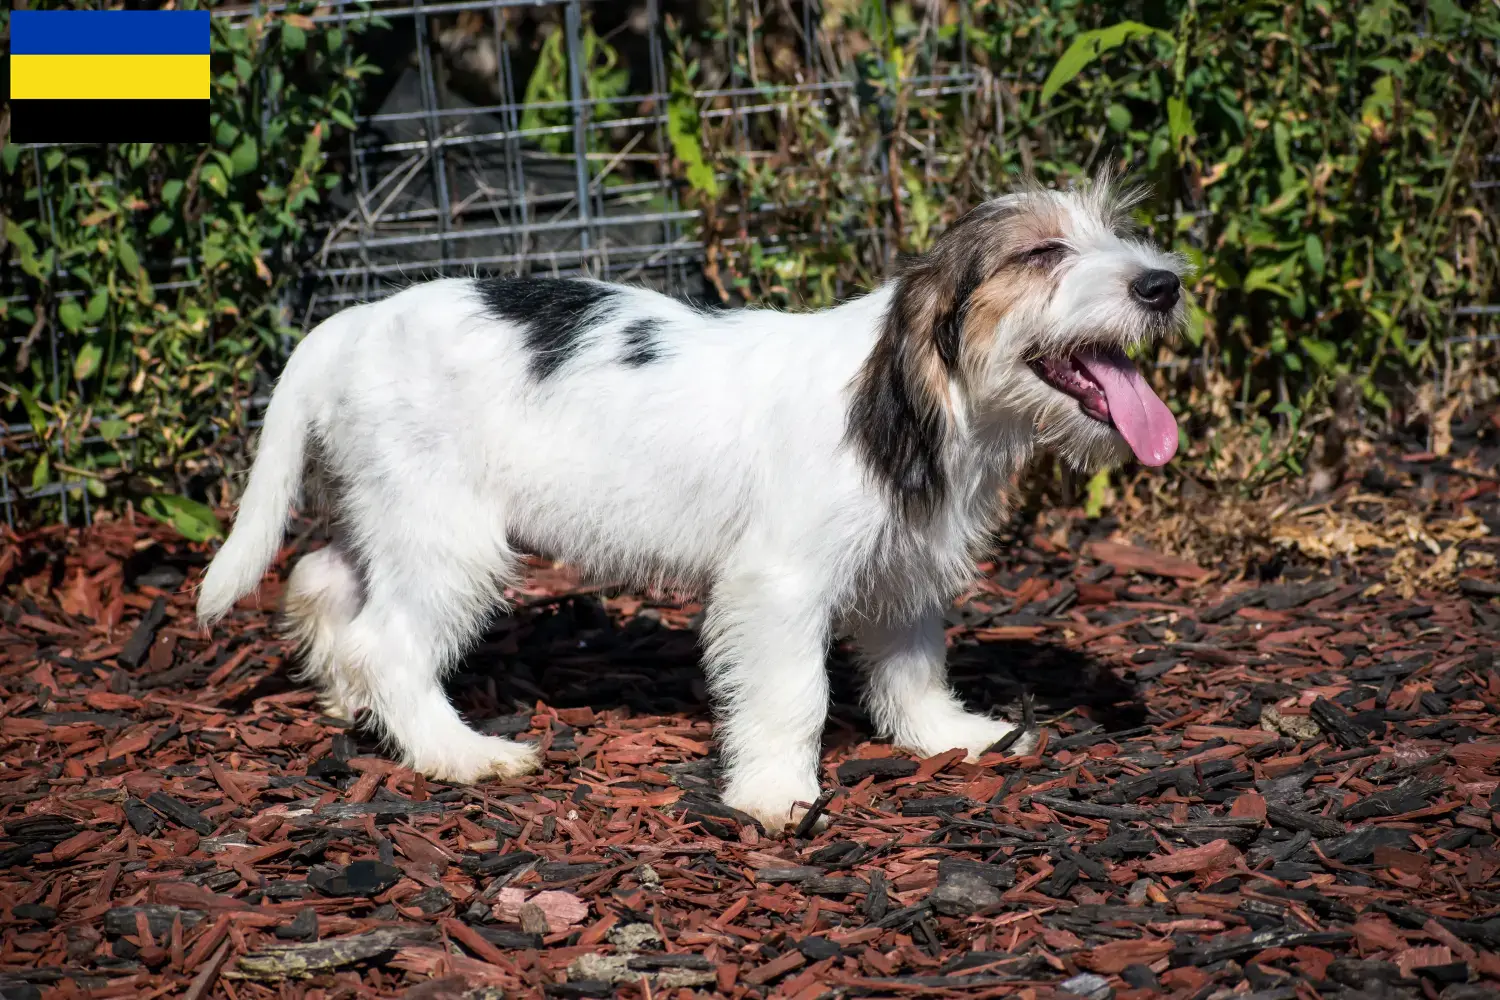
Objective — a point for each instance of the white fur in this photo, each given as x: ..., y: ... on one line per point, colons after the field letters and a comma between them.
x: 724, y: 466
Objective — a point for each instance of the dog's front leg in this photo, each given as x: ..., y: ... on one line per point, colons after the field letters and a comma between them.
x: 767, y: 640
x: 908, y: 695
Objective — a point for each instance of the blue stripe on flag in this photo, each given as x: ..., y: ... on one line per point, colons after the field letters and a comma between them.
x: 109, y: 32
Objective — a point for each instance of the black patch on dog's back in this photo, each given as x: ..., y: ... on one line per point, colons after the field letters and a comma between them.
x: 553, y: 314
x: 641, y: 347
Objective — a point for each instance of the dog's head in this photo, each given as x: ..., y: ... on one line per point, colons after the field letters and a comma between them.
x: 1020, y: 316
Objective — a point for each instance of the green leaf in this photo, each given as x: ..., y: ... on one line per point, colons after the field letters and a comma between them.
x: 1264, y: 278
x: 10, y: 153
x: 25, y: 246
x: 1283, y: 139
x: 87, y: 361
x: 170, y: 190
x: 213, y: 253
x: 244, y: 158
x: 159, y: 225
x: 1312, y: 249
x: 293, y: 38
x: 1382, y: 101
x: 1321, y: 352
x: 1097, y: 494
x: 1118, y: 116
x: 311, y: 148
x: 1287, y: 200
x: 98, y: 302
x: 129, y: 259
x: 113, y: 429
x: 1091, y: 45
x: 683, y: 129
x: 71, y: 315
x: 1179, y: 121
x: 1446, y: 15
x: 41, y: 473
x: 194, y: 521
x: 1197, y: 325
x: 34, y: 413
x: 213, y: 176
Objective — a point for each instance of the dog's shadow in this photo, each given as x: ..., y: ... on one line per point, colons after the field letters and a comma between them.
x: 571, y: 653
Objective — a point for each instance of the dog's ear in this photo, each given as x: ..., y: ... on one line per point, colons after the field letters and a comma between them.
x: 932, y: 300
x: 936, y: 337
x: 902, y: 396
x: 898, y: 424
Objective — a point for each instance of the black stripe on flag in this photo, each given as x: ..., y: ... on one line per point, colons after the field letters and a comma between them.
x: 109, y: 121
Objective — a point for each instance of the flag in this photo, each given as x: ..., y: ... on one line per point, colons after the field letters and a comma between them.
x: 109, y: 75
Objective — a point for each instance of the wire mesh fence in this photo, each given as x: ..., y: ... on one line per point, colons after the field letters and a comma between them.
x: 469, y: 162
x: 564, y: 172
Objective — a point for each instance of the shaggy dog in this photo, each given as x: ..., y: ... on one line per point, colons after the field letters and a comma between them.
x: 811, y: 474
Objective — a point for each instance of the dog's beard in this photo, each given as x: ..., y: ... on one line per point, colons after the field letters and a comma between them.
x: 1062, y: 428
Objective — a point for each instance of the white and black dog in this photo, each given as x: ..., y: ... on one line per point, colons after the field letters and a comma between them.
x: 811, y: 474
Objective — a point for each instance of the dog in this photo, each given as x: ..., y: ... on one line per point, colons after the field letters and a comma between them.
x: 812, y: 474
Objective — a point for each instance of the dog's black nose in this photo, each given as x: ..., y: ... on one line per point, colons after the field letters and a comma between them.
x: 1156, y: 290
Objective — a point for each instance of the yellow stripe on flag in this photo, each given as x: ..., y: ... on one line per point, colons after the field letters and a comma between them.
x: 130, y: 78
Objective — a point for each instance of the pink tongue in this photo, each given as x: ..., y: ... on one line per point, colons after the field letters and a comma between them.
x: 1142, y: 420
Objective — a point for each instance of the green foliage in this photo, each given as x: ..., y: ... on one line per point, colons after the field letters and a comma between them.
x: 160, y: 376
x: 1096, y: 494
x: 684, y: 129
x: 1313, y: 161
x: 546, y: 117
x: 1089, y: 46
x: 195, y: 521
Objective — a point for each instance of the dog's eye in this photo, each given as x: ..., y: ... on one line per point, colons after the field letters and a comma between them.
x: 1045, y: 254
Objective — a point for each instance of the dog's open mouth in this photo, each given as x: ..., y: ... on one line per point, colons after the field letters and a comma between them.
x: 1110, y: 389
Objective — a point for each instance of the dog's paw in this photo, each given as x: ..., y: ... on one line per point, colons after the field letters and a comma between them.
x: 783, y: 822
x: 972, y: 732
x: 478, y: 759
x: 779, y: 814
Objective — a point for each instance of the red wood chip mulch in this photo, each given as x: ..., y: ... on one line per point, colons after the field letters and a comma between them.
x: 1274, y: 789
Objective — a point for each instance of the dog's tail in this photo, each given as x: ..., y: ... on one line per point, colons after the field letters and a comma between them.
x: 275, y: 482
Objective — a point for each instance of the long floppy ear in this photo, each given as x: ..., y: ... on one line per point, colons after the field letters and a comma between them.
x: 902, y: 406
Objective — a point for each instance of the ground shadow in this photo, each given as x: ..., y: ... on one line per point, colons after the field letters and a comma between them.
x: 570, y: 653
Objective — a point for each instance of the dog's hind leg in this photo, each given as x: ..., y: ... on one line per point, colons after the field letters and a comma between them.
x: 430, y: 584
x: 323, y: 596
x: 908, y: 695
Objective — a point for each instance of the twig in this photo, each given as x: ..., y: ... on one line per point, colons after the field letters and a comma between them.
x: 1028, y: 719
x: 810, y: 818
x: 210, y: 972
